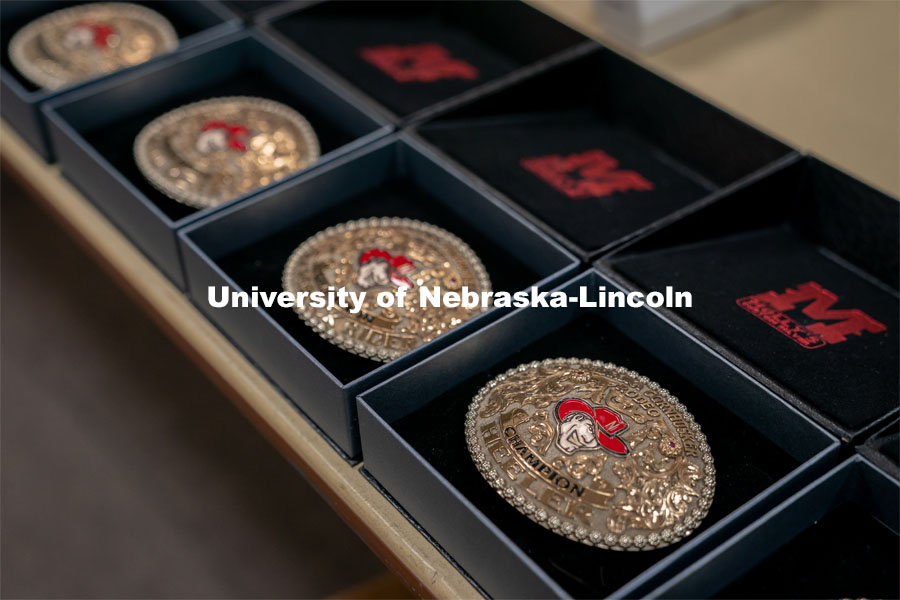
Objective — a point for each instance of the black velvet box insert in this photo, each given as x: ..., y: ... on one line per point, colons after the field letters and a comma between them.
x: 861, y: 554
x: 97, y: 128
x: 409, y: 56
x: 412, y: 435
x: 194, y: 23
x: 836, y: 538
x: 249, y: 245
x: 251, y: 10
x: 883, y: 448
x: 794, y: 276
x: 599, y: 148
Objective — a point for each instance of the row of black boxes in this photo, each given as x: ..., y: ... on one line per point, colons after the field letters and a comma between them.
x: 561, y: 164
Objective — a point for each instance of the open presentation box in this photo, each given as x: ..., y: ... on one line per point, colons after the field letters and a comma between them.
x: 412, y: 431
x: 794, y: 278
x: 599, y: 149
x: 194, y: 22
x: 93, y: 129
x: 413, y: 59
x: 836, y: 538
x: 248, y: 245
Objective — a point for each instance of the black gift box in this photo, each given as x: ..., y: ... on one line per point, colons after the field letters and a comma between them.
x: 194, y: 22
x: 599, y: 149
x: 413, y: 59
x: 93, y: 130
x: 794, y: 278
x: 247, y: 245
x: 836, y: 538
x: 412, y: 431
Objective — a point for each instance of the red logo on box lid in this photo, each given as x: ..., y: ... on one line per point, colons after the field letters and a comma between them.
x: 590, y: 174
x: 422, y: 63
x: 831, y: 326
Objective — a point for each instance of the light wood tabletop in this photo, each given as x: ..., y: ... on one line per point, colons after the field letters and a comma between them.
x: 387, y: 532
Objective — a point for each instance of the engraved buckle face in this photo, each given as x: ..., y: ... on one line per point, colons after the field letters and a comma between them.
x: 377, y: 255
x: 593, y: 452
x: 210, y: 152
x: 82, y: 42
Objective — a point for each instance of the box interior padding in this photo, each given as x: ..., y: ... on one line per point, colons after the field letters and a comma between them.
x: 889, y: 444
x: 860, y: 553
x: 853, y: 531
x: 598, y: 147
x: 885, y: 445
x: 491, y: 38
x: 787, y: 232
x: 249, y: 8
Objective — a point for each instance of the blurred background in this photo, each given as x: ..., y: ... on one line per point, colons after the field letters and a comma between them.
x: 99, y: 408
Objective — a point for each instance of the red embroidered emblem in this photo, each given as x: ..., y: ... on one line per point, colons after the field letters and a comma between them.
x: 418, y: 63
x: 217, y: 135
x: 771, y: 308
x: 582, y: 426
x: 590, y: 174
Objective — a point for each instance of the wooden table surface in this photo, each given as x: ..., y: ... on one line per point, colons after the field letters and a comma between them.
x: 393, y: 539
x: 822, y: 76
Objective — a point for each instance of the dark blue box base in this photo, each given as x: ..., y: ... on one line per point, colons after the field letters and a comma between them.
x: 413, y: 444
